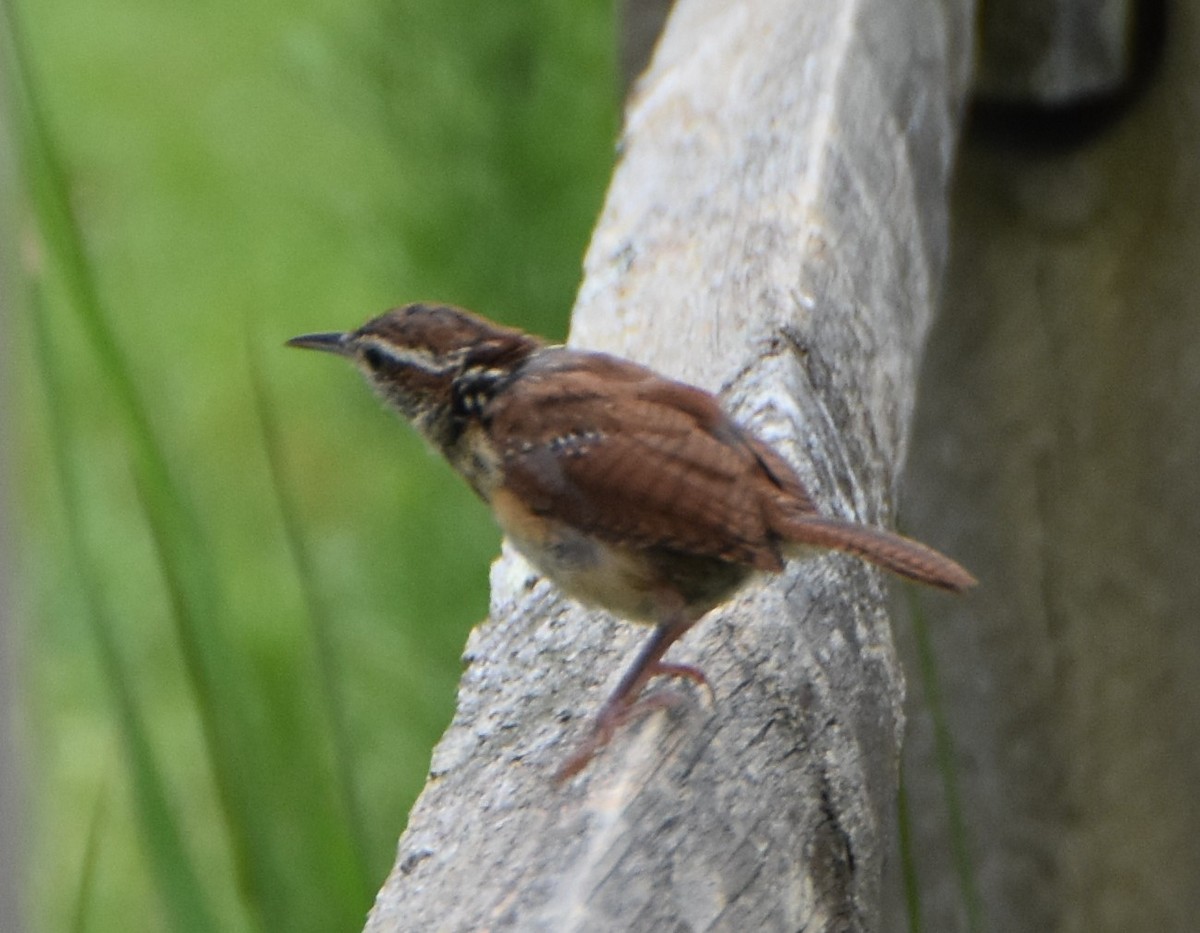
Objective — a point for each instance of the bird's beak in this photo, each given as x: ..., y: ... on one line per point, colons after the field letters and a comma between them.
x: 331, y: 343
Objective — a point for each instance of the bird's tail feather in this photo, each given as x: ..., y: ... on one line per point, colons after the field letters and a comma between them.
x: 893, y: 552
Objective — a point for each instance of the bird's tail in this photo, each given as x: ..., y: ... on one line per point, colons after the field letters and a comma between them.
x: 893, y: 552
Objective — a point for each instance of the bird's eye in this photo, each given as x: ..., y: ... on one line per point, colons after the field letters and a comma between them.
x: 375, y: 358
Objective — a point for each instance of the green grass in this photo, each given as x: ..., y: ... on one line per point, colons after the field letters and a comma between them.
x: 243, y: 587
x: 957, y: 818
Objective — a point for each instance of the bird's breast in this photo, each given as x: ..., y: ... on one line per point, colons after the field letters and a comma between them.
x: 635, y: 583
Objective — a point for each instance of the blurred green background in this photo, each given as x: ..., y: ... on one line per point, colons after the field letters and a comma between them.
x: 243, y: 587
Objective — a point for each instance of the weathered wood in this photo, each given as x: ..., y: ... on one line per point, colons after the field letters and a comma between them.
x: 1061, y: 420
x: 776, y: 230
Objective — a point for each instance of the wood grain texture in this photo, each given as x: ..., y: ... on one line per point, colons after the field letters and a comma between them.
x: 775, y: 231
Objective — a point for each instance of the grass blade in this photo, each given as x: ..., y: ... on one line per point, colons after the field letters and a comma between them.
x: 183, y: 556
x: 944, y: 751
x: 321, y: 629
x: 176, y: 878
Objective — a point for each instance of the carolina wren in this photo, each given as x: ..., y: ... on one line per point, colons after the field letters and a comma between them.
x: 629, y: 490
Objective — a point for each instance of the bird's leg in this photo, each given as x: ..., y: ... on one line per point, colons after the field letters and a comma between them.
x: 622, y: 703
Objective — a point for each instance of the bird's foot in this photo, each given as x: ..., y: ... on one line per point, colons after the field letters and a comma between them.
x: 620, y: 709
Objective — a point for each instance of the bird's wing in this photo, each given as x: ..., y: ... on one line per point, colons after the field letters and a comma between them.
x: 621, y: 453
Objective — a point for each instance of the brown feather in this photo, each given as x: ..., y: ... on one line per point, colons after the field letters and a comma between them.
x: 893, y: 552
x: 619, y: 452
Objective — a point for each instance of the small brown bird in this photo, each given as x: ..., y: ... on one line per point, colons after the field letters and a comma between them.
x: 629, y: 490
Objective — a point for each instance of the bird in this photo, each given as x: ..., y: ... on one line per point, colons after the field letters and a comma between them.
x: 627, y: 489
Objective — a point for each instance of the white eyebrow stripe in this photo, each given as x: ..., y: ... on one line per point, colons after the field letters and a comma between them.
x: 421, y: 358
